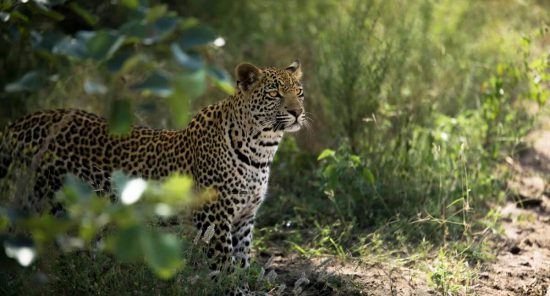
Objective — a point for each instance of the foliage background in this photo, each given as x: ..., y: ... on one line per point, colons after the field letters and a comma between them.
x: 413, y: 103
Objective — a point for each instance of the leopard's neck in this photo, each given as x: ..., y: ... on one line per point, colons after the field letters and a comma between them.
x: 255, y: 146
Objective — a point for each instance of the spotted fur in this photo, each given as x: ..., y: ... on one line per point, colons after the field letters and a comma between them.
x: 228, y: 146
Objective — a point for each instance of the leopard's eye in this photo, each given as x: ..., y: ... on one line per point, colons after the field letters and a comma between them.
x: 297, y: 91
x: 273, y: 93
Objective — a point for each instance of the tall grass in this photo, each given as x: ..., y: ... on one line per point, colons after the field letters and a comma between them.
x: 418, y: 102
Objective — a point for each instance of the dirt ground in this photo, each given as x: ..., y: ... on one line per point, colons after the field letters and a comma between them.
x: 521, y: 265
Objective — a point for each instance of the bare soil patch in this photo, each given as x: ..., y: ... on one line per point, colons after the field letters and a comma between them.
x: 522, y: 265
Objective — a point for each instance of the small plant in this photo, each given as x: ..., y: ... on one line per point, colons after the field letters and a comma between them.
x: 450, y: 275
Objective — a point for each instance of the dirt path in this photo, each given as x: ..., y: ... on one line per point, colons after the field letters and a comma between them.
x: 521, y: 265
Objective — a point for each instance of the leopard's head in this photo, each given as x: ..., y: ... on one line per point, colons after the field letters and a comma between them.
x: 274, y: 98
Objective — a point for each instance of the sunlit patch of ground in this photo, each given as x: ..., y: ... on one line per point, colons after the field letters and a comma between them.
x: 332, y: 276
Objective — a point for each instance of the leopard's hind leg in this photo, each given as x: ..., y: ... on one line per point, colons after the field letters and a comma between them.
x: 42, y: 197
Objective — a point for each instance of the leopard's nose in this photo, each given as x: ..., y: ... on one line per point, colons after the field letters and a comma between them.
x: 295, y: 112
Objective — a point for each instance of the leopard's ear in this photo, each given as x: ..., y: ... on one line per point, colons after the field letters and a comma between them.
x: 295, y: 69
x: 247, y: 75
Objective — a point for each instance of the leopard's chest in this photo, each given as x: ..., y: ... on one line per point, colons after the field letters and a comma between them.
x: 244, y: 189
x: 251, y: 193
x: 236, y: 165
x: 231, y: 177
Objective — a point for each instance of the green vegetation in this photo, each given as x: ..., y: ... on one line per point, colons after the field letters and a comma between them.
x: 414, y: 105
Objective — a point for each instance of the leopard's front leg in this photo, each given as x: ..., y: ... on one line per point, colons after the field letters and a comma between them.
x: 242, y: 241
x: 220, y: 249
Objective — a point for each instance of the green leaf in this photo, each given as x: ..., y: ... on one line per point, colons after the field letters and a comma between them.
x: 179, y: 107
x: 76, y: 185
x: 14, y: 215
x: 187, y: 86
x: 47, y: 40
x: 368, y: 175
x: 134, y: 29
x: 156, y: 12
x: 73, y: 47
x: 189, y: 61
x: 148, y: 34
x: 176, y: 188
x: 194, y: 83
x: 94, y: 87
x: 326, y: 153
x: 4, y: 16
x: 197, y: 36
x: 4, y: 223
x: 98, y: 45
x: 39, y: 8
x: 46, y: 228
x: 31, y: 81
x: 148, y: 107
x: 16, y: 15
x: 222, y: 79
x: 103, y: 45
x: 355, y: 160
x: 157, y: 84
x: 132, y: 4
x: 119, y: 179
x: 126, y: 243
x: 86, y: 15
x: 74, y: 190
x: 164, y: 26
x: 120, y: 119
x: 123, y: 60
x: 52, y: 2
x: 299, y: 248
x: 162, y: 252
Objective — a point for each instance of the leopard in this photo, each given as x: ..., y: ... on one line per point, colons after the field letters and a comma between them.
x: 228, y: 146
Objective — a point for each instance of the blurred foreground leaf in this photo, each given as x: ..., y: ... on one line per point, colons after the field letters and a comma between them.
x: 84, y: 14
x: 45, y: 228
x: 189, y: 61
x: 98, y: 45
x: 326, y: 153
x: 74, y: 189
x: 368, y: 175
x: 222, y: 79
x: 141, y: 32
x: 177, y: 188
x: 187, y: 87
x: 126, y: 243
x: 120, y: 119
x: 31, y: 81
x: 94, y: 87
x: 103, y: 45
x: 162, y: 253
x: 74, y: 47
x: 157, y: 84
x: 197, y: 36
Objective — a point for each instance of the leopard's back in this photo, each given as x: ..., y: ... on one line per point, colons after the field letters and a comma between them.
x: 54, y: 143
